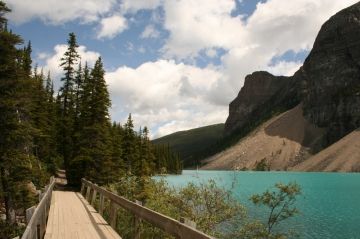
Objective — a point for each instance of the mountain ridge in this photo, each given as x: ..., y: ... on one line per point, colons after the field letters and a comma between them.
x: 327, y: 87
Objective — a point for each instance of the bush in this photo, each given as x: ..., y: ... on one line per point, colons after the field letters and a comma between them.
x: 214, y: 210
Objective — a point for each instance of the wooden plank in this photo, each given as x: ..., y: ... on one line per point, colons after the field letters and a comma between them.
x: 93, y: 198
x: 39, y: 217
x: 101, y: 204
x: 137, y: 223
x: 29, y: 213
x: 100, y: 221
x: 88, y: 193
x: 72, y: 217
x: 113, y: 214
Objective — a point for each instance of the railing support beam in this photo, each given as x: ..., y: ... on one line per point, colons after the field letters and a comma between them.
x: 169, y: 225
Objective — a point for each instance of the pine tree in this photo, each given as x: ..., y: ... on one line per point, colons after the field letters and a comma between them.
x: 117, y: 133
x: 79, y: 79
x: 94, y: 155
x: 129, y: 145
x: 50, y: 131
x: 147, y: 157
x: 67, y: 97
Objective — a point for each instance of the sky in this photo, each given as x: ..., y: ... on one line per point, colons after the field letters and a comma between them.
x: 174, y: 64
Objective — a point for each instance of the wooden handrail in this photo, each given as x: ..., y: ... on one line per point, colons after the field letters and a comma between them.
x: 167, y: 224
x: 37, y: 224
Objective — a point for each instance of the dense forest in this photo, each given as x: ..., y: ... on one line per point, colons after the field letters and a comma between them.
x: 42, y: 129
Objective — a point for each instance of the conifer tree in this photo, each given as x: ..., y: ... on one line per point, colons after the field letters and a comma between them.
x: 147, y: 156
x: 117, y: 133
x: 129, y: 145
x: 67, y: 98
x: 16, y: 157
x: 94, y: 154
x: 50, y: 131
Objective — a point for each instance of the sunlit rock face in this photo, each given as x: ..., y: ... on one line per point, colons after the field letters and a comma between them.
x: 328, y: 83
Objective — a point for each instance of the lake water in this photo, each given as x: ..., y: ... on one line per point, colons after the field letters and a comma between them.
x: 329, y: 204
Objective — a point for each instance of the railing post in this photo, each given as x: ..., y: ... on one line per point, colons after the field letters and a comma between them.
x: 29, y: 213
x: 42, y: 224
x: 101, y: 204
x: 113, y: 214
x: 137, y: 223
x: 93, y: 198
x: 182, y: 229
x: 87, y: 193
x: 82, y: 188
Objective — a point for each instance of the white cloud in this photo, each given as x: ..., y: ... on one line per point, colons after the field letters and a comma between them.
x: 284, y: 68
x: 150, y: 32
x: 136, y: 5
x: 165, y: 95
x: 43, y: 55
x: 58, y: 12
x: 275, y: 27
x: 52, y: 61
x: 279, y: 25
x: 197, y: 25
x: 169, y: 96
x: 112, y: 26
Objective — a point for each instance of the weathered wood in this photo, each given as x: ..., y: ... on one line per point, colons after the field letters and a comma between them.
x: 37, y: 224
x: 101, y: 204
x: 40, y: 194
x: 82, y: 189
x: 113, y: 214
x: 72, y: 217
x: 29, y: 213
x: 137, y: 223
x: 88, y: 193
x: 93, y: 198
x: 161, y: 221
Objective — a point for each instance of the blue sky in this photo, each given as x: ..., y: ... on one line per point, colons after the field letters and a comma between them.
x: 174, y: 64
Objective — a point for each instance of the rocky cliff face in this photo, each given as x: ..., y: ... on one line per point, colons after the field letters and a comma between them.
x: 328, y: 84
x: 258, y: 88
x: 331, y: 75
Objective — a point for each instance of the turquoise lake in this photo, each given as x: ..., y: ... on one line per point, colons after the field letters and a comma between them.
x: 329, y: 204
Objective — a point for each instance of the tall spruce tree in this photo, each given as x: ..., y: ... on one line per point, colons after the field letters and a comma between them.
x: 147, y: 157
x: 94, y: 155
x: 129, y: 145
x: 67, y: 99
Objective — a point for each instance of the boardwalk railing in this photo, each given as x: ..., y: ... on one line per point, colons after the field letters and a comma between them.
x: 37, y: 223
x: 171, y: 226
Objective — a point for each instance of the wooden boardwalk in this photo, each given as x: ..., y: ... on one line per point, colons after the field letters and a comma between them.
x: 71, y: 217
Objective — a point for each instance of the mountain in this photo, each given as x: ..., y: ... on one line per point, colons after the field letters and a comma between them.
x: 342, y: 156
x: 325, y: 92
x: 262, y: 96
x: 282, y: 142
x: 328, y: 83
x: 193, y: 144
